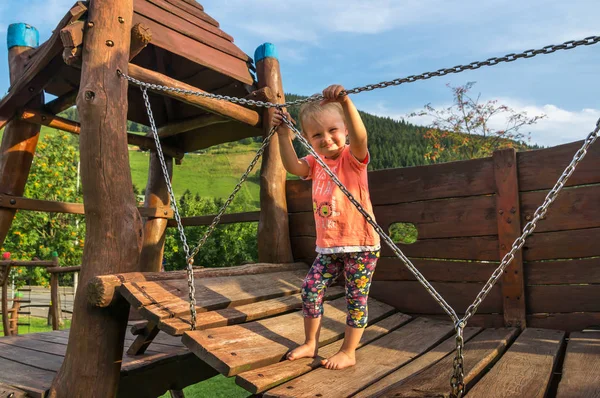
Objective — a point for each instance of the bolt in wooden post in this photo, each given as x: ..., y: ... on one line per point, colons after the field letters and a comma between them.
x: 508, y: 216
x: 273, y: 227
x: 20, y: 138
x: 92, y: 363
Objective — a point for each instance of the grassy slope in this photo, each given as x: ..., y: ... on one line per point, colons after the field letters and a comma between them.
x: 211, y: 174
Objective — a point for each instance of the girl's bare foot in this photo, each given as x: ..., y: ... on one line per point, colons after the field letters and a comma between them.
x: 340, y: 360
x: 306, y: 350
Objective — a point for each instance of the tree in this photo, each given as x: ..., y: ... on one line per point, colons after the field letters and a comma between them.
x: 53, y: 176
x: 464, y: 131
x: 231, y: 244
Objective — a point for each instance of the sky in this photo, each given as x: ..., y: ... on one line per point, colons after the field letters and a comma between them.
x: 354, y: 43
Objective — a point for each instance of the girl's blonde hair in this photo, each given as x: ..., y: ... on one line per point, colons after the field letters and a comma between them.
x: 312, y: 110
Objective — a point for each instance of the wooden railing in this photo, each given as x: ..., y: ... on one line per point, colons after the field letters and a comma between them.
x: 54, y: 269
x: 467, y: 215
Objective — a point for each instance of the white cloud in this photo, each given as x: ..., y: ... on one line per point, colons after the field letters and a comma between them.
x: 560, y: 126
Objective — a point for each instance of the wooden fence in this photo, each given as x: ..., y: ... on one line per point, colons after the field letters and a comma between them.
x: 467, y: 215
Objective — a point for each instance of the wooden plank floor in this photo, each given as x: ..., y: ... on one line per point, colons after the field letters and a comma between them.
x: 29, y: 363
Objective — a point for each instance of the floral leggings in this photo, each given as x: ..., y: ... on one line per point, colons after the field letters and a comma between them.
x: 358, y: 269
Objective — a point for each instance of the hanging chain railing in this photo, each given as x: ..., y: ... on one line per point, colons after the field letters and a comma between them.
x: 189, y: 255
x: 457, y: 379
x: 568, y: 45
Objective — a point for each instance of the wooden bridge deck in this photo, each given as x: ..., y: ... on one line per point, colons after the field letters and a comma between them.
x: 30, y: 362
x: 247, y: 324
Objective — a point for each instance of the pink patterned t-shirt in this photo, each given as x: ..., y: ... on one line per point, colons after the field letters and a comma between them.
x: 339, y: 225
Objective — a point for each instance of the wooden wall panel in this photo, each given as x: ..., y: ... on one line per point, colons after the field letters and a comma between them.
x: 447, y: 180
x: 562, y: 271
x: 393, y: 269
x: 563, y: 298
x: 411, y: 297
x: 573, y: 208
x: 448, y: 218
x: 562, y: 244
x: 540, y: 169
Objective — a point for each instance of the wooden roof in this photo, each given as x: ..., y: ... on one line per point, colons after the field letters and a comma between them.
x: 188, y: 45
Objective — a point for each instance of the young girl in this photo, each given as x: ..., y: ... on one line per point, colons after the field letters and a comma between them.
x: 346, y: 243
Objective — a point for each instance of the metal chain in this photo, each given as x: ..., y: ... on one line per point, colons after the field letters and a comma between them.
x: 457, y: 381
x: 568, y: 45
x: 190, y: 255
x: 372, y: 222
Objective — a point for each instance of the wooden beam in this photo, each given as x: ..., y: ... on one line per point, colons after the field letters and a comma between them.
x: 94, y: 353
x: 157, y: 195
x: 57, y: 122
x: 61, y: 103
x: 273, y: 228
x: 206, y: 137
x: 101, y: 290
x: 44, y: 65
x: 508, y: 215
x: 140, y: 37
x: 72, y: 34
x: 224, y: 108
x: 28, y: 264
x: 16, y: 202
x: 63, y: 270
x: 19, y: 140
x: 190, y: 124
x: 250, y: 216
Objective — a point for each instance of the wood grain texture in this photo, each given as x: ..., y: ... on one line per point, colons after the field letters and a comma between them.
x: 243, y: 313
x: 581, y: 367
x: 392, y: 351
x: 113, y: 225
x: 267, y: 377
x: 525, y: 369
x: 479, y: 353
x: 273, y: 226
x: 238, y: 348
x: 416, y: 365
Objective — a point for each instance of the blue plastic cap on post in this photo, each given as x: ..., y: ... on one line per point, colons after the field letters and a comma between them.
x: 264, y: 51
x: 22, y: 35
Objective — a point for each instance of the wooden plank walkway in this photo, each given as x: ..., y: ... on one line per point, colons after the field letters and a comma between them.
x: 30, y: 362
x: 246, y: 330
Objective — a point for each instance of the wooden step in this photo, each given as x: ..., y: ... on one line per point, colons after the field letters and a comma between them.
x: 262, y: 379
x: 526, y: 368
x: 417, y: 365
x: 156, y: 300
x: 243, y: 313
x: 581, y: 368
x: 239, y: 348
x: 479, y: 353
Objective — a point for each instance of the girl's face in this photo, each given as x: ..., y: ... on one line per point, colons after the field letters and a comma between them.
x: 326, y: 133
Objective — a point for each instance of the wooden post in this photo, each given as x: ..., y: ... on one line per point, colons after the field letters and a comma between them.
x: 5, y: 320
x: 154, y: 228
x: 55, y: 307
x: 273, y: 228
x: 92, y: 363
x: 20, y: 138
x: 508, y: 215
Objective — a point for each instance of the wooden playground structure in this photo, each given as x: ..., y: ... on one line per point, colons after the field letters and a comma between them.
x: 532, y: 336
x: 12, y: 306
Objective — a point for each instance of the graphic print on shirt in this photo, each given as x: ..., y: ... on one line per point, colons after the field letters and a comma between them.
x: 326, y: 210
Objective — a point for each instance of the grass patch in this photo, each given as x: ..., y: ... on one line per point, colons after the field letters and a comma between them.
x: 215, y: 387
x: 36, y: 325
